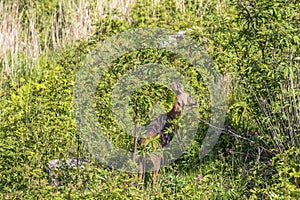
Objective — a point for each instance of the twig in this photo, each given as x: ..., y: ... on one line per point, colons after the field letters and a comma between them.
x: 232, y: 133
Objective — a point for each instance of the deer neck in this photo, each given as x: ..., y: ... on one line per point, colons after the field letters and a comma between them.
x: 174, y: 113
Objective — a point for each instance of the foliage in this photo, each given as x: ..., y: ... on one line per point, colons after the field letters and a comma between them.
x: 284, y: 170
x: 254, y: 44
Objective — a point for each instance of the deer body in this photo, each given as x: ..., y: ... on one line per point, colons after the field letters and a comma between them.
x: 161, y: 126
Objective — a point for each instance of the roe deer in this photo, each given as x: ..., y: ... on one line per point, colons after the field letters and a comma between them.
x: 160, y: 126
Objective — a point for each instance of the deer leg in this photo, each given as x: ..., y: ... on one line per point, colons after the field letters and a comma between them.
x: 141, y: 167
x: 156, y: 159
x: 155, y: 173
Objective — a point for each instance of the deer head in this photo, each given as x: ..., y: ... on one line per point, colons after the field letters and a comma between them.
x: 183, y: 98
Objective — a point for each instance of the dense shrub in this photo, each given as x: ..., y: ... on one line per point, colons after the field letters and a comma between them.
x: 254, y: 44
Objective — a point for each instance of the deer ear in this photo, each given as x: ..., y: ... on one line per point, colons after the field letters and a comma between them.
x: 180, y: 87
x: 174, y: 86
x: 177, y: 88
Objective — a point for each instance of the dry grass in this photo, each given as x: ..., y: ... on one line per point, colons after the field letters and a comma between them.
x: 69, y: 21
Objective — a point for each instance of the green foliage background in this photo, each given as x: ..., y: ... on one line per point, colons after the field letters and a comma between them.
x: 254, y: 44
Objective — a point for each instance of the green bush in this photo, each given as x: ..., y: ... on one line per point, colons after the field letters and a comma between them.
x: 254, y: 44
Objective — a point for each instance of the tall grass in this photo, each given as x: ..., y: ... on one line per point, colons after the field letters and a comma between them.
x: 30, y: 29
